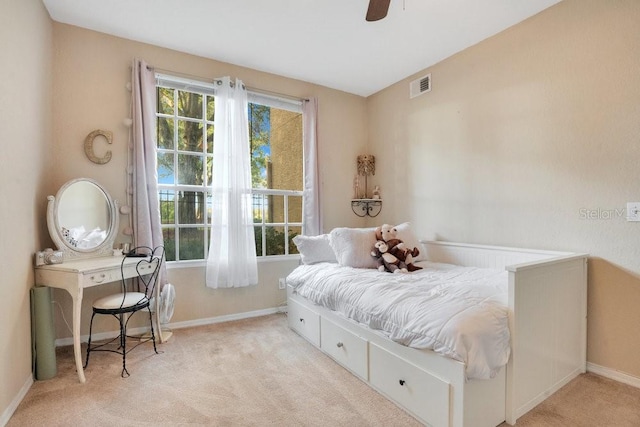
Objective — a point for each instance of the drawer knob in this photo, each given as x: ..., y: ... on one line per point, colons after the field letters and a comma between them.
x: 401, y: 382
x: 340, y: 345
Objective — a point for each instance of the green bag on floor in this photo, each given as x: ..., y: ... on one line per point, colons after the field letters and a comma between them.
x: 43, y: 346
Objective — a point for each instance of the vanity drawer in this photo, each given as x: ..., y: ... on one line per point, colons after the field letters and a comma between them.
x: 138, y: 267
x: 418, y: 391
x: 348, y: 349
x: 96, y: 278
x: 132, y: 267
x: 304, y: 321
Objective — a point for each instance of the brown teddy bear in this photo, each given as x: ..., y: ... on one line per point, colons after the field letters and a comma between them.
x: 396, y: 247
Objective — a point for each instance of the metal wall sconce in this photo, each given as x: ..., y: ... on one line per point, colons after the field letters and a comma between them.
x: 366, y: 207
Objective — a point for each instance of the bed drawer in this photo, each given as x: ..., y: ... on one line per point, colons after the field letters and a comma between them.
x: 348, y: 349
x: 304, y: 321
x: 421, y: 393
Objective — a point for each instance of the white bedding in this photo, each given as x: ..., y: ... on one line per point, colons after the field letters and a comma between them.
x: 459, y: 312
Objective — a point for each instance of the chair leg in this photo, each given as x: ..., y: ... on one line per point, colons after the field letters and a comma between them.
x: 86, y: 362
x: 153, y: 337
x: 122, y: 336
x: 123, y: 342
x: 123, y: 321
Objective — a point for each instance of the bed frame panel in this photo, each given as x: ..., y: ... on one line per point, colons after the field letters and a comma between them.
x: 547, y: 320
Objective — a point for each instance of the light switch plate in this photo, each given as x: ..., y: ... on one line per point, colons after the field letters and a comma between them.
x: 633, y: 211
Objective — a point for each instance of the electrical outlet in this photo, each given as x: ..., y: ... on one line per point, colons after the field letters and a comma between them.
x: 282, y: 283
x: 633, y: 211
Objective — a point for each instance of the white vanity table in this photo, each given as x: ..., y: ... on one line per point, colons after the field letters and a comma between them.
x: 74, y: 276
x: 84, y: 204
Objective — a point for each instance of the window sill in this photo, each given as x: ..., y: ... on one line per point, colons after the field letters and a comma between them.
x: 202, y: 263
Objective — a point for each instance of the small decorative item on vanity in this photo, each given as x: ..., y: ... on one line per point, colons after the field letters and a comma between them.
x: 361, y: 205
x: 52, y: 257
x: 39, y: 258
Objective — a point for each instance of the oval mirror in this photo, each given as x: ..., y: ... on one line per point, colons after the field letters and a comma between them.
x: 82, y: 219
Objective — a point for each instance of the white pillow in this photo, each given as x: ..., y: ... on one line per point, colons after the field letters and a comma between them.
x: 409, y: 238
x: 352, y: 246
x: 314, y: 249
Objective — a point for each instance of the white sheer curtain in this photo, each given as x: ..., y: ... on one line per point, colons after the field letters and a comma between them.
x: 232, y: 258
x: 312, y: 215
x: 147, y: 230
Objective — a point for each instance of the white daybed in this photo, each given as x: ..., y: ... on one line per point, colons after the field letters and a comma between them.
x: 547, y: 322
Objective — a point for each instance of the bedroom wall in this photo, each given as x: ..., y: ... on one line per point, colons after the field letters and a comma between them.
x: 531, y: 139
x: 25, y: 129
x: 90, y: 73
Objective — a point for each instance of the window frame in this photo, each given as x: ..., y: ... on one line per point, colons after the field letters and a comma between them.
x: 207, y: 89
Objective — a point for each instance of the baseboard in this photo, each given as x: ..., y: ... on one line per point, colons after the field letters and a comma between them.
x: 60, y: 342
x: 6, y: 415
x: 613, y: 374
x: 226, y: 318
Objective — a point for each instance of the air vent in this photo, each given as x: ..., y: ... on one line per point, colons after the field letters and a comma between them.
x: 420, y: 86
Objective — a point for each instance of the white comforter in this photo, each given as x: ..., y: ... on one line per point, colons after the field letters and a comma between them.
x: 460, y: 312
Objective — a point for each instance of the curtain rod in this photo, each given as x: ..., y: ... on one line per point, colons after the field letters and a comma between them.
x: 218, y: 81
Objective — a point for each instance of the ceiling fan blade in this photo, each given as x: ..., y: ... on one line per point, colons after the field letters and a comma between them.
x: 377, y: 9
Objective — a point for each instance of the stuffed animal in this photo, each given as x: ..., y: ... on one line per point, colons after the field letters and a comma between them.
x: 388, y: 234
x: 406, y: 255
x: 66, y: 233
x: 387, y: 261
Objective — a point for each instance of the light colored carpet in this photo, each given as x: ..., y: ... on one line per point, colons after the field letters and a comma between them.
x: 253, y: 372
x: 588, y: 401
x: 256, y: 372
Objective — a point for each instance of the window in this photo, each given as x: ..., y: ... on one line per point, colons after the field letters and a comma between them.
x: 185, y: 127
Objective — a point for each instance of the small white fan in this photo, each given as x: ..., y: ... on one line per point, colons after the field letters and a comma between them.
x: 165, y: 305
x: 164, y: 308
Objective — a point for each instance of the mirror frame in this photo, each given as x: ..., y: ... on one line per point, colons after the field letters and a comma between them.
x: 70, y: 252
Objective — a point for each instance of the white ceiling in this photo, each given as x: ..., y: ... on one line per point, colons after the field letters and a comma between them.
x: 327, y: 42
